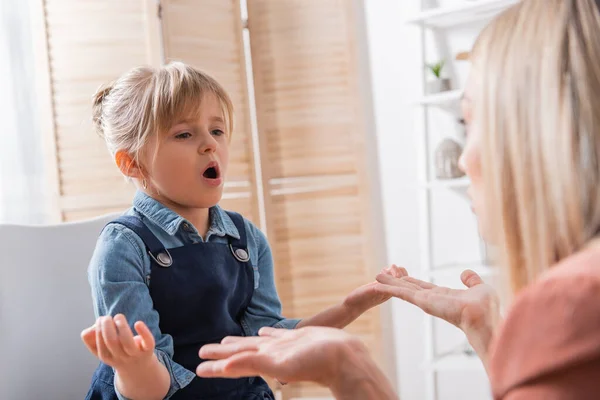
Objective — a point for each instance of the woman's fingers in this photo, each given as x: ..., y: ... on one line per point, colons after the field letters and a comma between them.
x: 401, y: 292
x: 272, y: 332
x: 427, y: 300
x: 470, y: 278
x: 248, y: 363
x: 402, y: 282
x: 211, y: 369
x: 220, y: 351
x: 420, y: 283
x: 232, y: 339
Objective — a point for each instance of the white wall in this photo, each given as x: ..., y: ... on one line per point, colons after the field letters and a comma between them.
x: 396, y: 78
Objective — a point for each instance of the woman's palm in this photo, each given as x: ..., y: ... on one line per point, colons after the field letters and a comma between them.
x: 465, y: 308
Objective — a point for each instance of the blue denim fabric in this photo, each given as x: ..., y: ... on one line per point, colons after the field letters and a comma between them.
x: 119, y: 275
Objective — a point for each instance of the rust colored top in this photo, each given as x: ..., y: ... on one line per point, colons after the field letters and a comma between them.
x: 548, y: 347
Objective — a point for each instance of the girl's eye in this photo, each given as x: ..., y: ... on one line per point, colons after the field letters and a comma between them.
x: 183, y: 135
x: 217, y: 132
x: 462, y: 121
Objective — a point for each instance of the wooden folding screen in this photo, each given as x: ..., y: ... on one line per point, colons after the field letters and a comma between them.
x: 310, y: 129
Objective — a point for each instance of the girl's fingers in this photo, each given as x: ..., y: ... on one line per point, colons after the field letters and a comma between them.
x: 398, y: 272
x: 104, y: 353
x: 147, y: 341
x: 88, y: 336
x: 111, y: 337
x: 125, y: 335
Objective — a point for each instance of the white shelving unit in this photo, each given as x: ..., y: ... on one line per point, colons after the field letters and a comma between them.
x: 441, y: 99
x: 455, y: 362
x: 455, y: 270
x: 468, y: 11
x: 459, y: 183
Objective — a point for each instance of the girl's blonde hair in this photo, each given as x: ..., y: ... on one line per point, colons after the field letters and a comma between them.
x: 538, y: 109
x: 146, y: 101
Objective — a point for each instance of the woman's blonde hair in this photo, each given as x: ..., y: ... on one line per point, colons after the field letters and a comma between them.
x: 146, y: 101
x: 538, y: 109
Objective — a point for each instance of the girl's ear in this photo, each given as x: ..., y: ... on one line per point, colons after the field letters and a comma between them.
x: 127, y: 165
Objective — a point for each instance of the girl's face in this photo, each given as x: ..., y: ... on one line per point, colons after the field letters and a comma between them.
x: 186, y: 166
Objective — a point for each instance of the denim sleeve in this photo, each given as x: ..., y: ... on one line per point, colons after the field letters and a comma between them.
x: 265, y: 307
x: 118, y: 274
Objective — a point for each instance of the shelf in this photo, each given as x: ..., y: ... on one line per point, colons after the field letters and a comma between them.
x: 458, y: 183
x: 448, y: 98
x: 456, y: 362
x: 466, y: 12
x: 455, y: 270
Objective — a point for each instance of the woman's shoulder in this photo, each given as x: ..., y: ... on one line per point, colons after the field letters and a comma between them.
x: 552, y: 326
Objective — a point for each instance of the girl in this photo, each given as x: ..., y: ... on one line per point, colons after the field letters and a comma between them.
x: 184, y: 270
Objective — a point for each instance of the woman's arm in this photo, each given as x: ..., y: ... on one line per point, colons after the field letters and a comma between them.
x: 549, y: 344
x: 361, y: 378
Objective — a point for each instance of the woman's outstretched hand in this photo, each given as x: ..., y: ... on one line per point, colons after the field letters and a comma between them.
x: 475, y: 310
x: 327, y: 356
x: 306, y: 354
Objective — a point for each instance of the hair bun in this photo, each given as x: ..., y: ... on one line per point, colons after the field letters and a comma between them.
x: 97, y: 107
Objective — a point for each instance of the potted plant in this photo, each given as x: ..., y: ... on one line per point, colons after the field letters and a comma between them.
x: 438, y: 84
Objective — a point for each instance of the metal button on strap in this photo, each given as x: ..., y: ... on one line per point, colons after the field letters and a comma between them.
x: 186, y: 227
x: 242, y: 254
x: 163, y: 258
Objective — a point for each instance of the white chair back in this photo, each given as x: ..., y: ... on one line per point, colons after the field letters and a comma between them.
x: 45, y: 302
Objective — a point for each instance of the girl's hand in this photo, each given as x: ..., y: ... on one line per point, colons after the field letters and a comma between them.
x: 369, y: 295
x: 111, y: 340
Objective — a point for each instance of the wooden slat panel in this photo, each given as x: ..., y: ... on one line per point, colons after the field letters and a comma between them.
x: 310, y: 129
x: 243, y: 205
x: 90, y: 213
x: 89, y: 44
x: 302, y: 73
x: 318, y: 247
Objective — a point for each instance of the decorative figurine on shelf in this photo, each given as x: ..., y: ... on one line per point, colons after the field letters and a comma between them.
x: 438, y: 84
x: 446, y: 160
